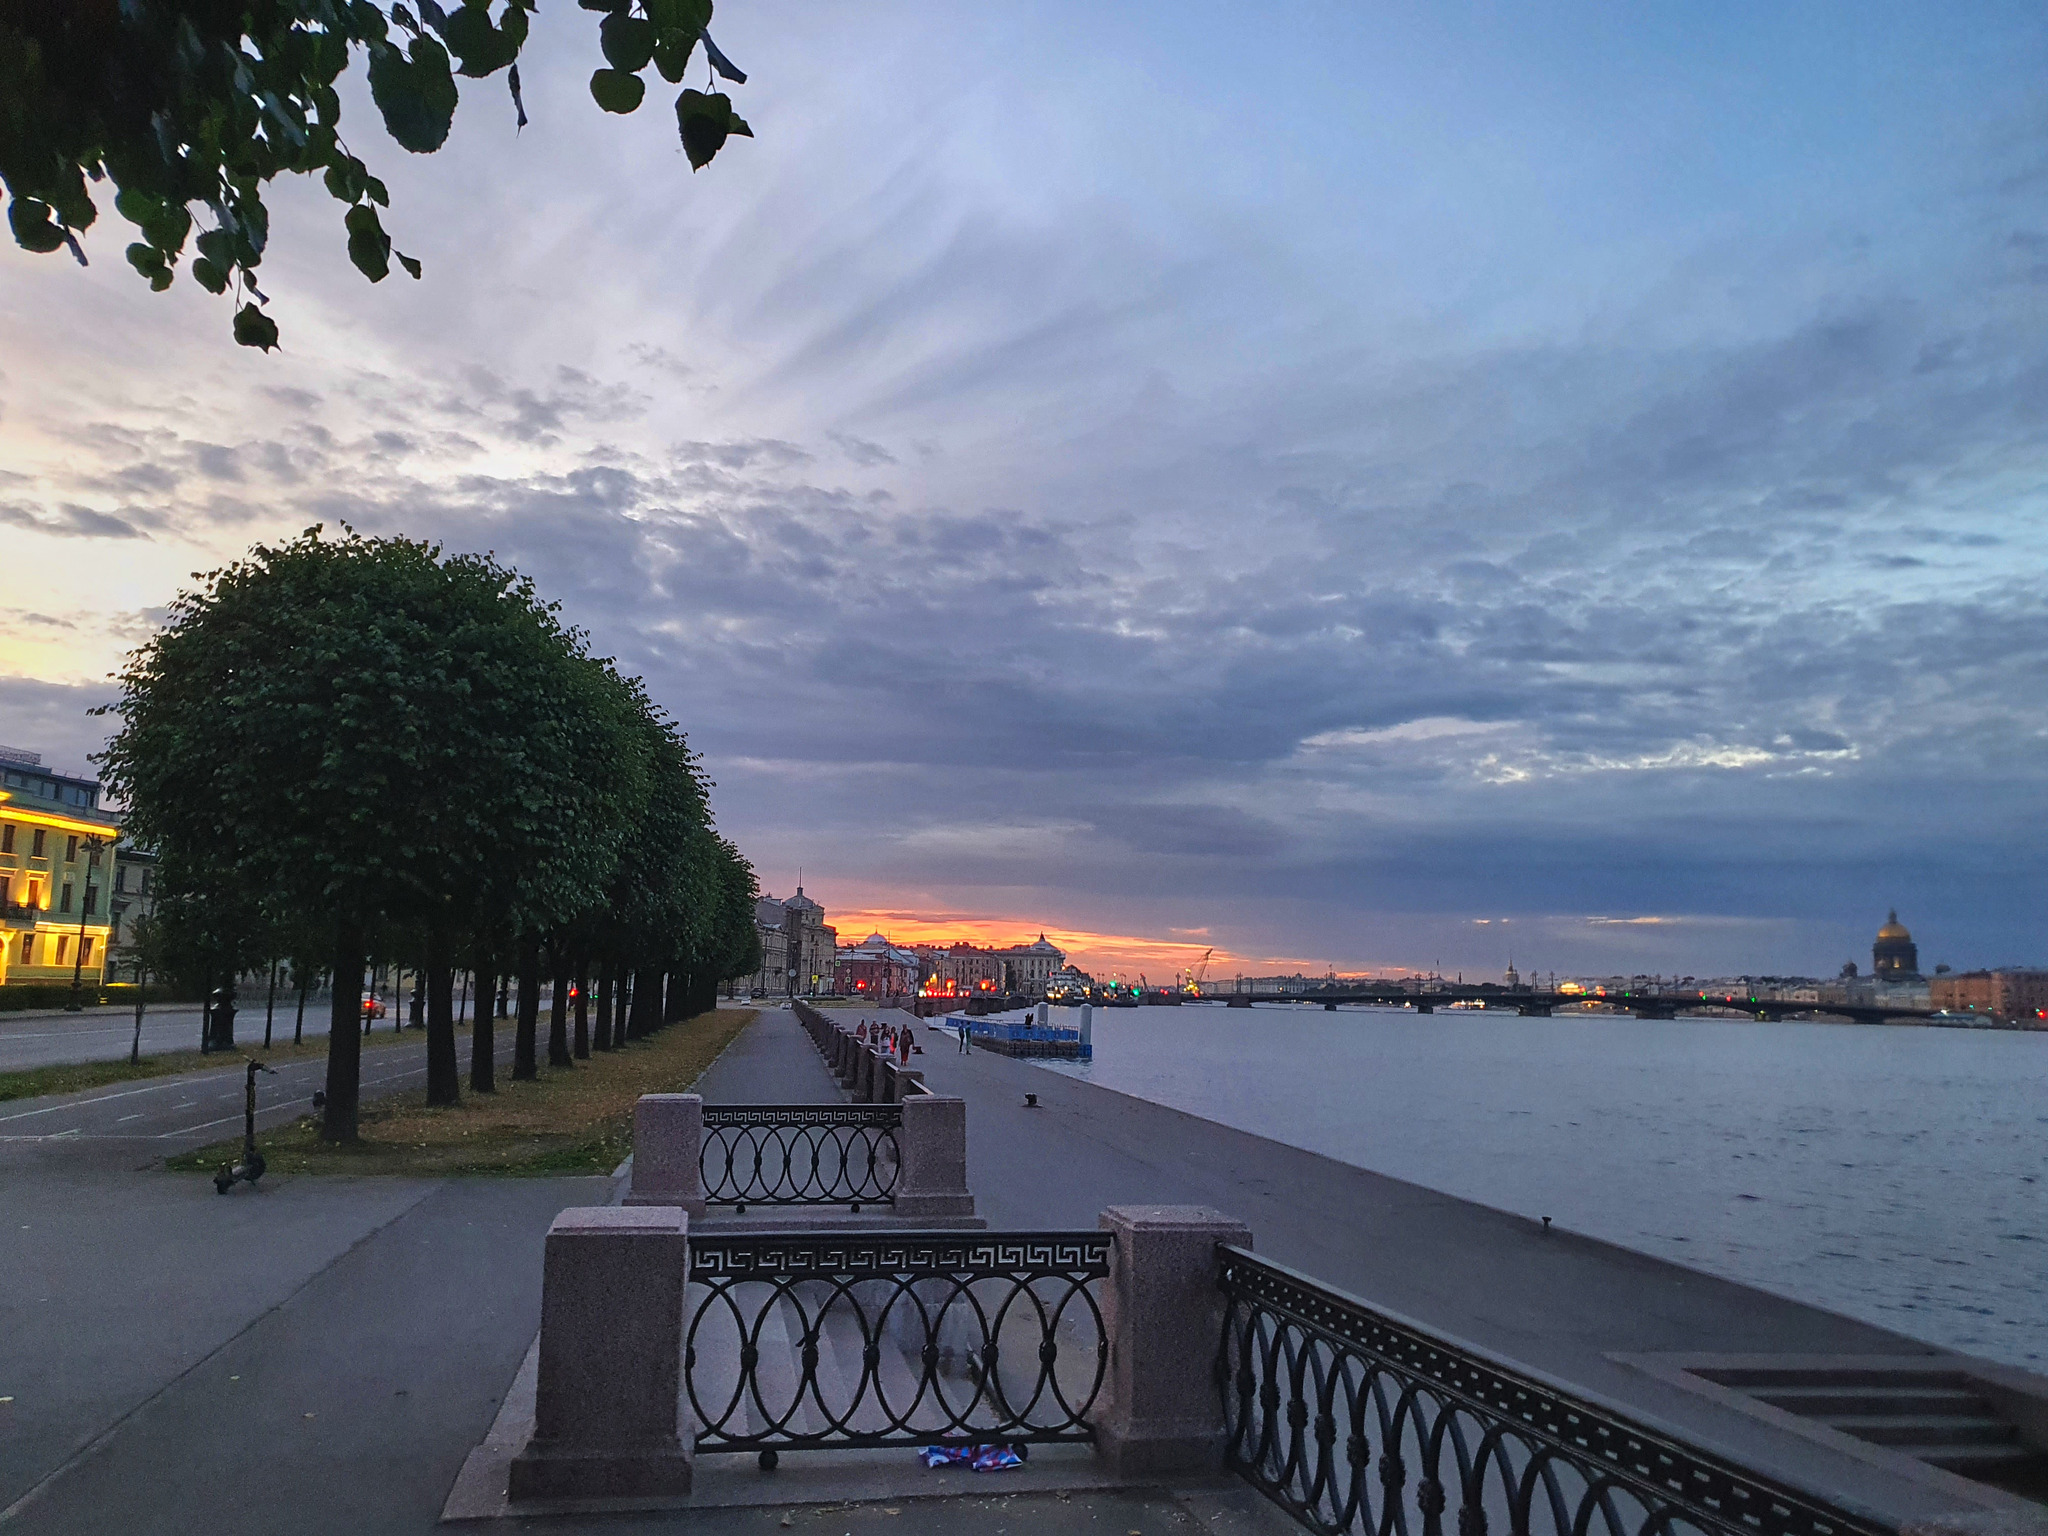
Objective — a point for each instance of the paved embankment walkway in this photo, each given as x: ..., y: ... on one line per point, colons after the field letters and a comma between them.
x: 318, y: 1355
x: 1564, y: 1304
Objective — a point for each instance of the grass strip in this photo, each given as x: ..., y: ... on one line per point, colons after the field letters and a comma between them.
x: 78, y: 1076
x: 570, y: 1120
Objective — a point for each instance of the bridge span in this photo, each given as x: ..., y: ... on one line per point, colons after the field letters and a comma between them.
x: 1531, y: 1003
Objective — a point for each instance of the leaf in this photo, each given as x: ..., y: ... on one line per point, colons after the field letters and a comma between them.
x: 344, y: 180
x: 705, y: 122
x: 617, y: 91
x: 628, y: 41
x: 518, y: 105
x: 217, y: 246
x: 672, y: 49
x: 368, y: 246
x: 721, y: 63
x: 136, y: 206
x: 33, y: 231
x: 210, y: 274
x: 691, y: 16
x: 738, y: 127
x: 253, y: 328
x: 149, y: 261
x: 410, y: 263
x: 483, y: 49
x: 415, y: 92
x: 168, y: 227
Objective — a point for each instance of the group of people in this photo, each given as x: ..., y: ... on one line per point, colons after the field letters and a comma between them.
x: 892, y: 1038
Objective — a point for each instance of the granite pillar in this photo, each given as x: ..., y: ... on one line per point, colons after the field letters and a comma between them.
x: 932, y: 1141
x: 668, y: 1145
x: 611, y: 1341
x: 1160, y: 1412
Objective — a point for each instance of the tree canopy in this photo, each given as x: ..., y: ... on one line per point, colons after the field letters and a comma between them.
x: 397, y: 751
x: 184, y: 104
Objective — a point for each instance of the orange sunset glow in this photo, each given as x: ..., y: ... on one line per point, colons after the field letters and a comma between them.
x: 1101, y: 954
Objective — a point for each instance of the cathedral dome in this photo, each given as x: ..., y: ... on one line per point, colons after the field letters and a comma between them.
x: 1895, y: 954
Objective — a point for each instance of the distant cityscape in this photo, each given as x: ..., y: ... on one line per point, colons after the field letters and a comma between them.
x: 74, y: 888
x: 802, y: 957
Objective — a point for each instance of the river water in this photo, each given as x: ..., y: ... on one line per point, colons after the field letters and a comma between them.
x: 1897, y: 1174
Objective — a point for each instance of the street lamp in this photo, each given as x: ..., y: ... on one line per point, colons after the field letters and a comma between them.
x: 93, y: 845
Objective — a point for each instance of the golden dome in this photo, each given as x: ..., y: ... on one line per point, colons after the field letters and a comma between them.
x: 1893, y: 928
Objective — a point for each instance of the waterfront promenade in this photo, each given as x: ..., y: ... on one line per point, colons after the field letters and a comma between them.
x: 321, y: 1356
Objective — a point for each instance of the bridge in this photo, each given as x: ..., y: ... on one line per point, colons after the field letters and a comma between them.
x: 1531, y: 1003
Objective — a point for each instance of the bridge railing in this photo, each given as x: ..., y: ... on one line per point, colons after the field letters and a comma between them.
x: 1356, y: 1422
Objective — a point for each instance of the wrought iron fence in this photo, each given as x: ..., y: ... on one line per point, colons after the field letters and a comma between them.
x: 800, y: 1154
x: 873, y: 1339
x: 1355, y: 1422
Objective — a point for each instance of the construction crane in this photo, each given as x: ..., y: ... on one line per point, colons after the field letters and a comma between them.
x: 1199, y: 973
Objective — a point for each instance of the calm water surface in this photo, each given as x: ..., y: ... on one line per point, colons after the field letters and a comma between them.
x: 1897, y: 1174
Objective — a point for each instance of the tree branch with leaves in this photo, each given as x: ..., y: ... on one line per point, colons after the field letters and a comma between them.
x: 179, y: 105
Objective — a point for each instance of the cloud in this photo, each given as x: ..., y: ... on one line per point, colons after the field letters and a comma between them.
x: 69, y: 522
x: 1037, y: 496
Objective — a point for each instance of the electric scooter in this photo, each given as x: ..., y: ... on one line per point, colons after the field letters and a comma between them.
x: 250, y: 1168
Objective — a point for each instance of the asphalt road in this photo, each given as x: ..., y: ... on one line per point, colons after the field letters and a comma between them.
x: 144, y: 1121
x: 105, y: 1034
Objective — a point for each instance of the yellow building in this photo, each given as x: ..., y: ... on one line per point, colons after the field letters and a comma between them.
x: 56, y: 868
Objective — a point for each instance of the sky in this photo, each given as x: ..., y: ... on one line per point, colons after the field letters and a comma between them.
x: 1361, y: 487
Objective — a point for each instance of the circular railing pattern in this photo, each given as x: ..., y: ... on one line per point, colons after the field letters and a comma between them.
x: 800, y: 1154
x: 1357, y: 1423
x: 894, y: 1339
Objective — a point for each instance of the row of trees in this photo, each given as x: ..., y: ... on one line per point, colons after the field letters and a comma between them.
x: 341, y: 747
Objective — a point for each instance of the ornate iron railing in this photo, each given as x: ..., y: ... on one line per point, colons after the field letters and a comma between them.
x: 1355, y: 1422
x: 800, y: 1154
x: 889, y: 1338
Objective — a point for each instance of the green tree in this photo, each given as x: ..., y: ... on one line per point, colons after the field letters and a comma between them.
x: 383, y: 743
x: 184, y: 104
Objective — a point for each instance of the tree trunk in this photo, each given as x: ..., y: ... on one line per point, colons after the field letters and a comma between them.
x: 224, y: 1016
x: 270, y: 1006
x: 677, y: 997
x: 525, y: 1063
x: 601, y: 1039
x: 483, y: 1039
x: 344, y: 1043
x: 299, y: 1025
x: 444, y: 1078
x: 558, y: 1011
x: 622, y: 1002
x: 646, y: 1016
x: 582, y: 1045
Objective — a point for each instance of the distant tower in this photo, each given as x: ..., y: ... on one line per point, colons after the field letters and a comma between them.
x: 1895, y: 957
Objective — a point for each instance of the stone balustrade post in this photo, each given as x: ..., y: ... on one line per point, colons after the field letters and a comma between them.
x: 931, y: 1177
x: 611, y: 1343
x: 668, y: 1147
x: 1162, y: 1314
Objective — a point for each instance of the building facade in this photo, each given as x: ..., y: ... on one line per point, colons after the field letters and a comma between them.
x: 1027, y: 968
x: 56, y: 867
x: 797, y: 947
x: 876, y: 968
x: 1997, y: 994
x: 959, y: 970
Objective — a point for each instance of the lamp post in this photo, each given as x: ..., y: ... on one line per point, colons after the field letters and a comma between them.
x: 93, y: 845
